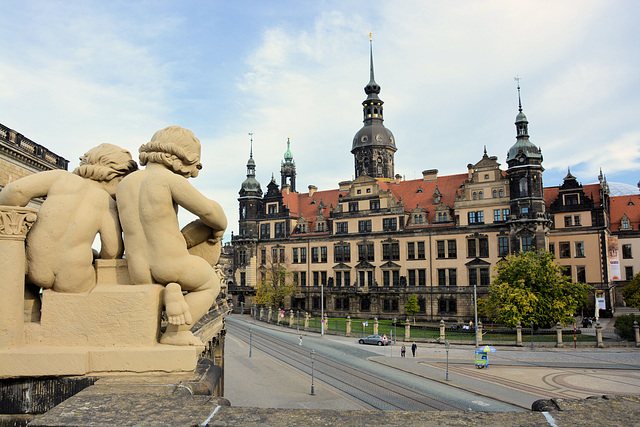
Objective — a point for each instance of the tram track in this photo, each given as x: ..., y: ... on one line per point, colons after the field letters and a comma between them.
x: 369, y: 390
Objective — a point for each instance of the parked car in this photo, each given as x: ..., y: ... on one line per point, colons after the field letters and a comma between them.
x: 375, y: 340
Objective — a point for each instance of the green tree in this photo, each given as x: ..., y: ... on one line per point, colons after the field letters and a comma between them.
x: 531, y: 286
x: 275, y: 285
x: 631, y: 292
x: 624, y: 326
x: 411, y: 307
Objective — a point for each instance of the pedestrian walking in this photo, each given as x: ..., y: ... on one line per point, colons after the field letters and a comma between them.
x: 403, y: 351
x: 300, y: 338
x: 414, y: 347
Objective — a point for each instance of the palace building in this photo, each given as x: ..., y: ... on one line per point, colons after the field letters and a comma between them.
x: 363, y: 248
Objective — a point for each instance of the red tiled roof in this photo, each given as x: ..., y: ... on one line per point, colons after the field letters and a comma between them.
x: 590, y: 190
x: 621, y: 205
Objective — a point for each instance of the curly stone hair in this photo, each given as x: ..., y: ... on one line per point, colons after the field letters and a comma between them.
x: 105, y: 162
x: 175, y: 147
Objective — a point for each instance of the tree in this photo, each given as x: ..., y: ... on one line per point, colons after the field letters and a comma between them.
x: 631, y: 292
x: 624, y: 326
x: 531, y: 286
x: 411, y: 307
x: 274, y: 287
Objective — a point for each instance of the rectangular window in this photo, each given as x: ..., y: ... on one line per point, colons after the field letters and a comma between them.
x: 338, y: 278
x: 396, y: 278
x: 323, y: 278
x: 386, y: 278
x: 294, y: 256
x: 280, y: 229
x: 243, y: 279
x: 411, y: 250
x: 412, y: 277
x: 565, y: 250
x: 579, y: 249
x: 316, y: 278
x: 353, y: 206
x: 282, y: 255
x: 452, y: 277
x: 452, y: 250
x: 505, y: 213
x: 484, y: 277
x: 342, y: 227
x: 483, y: 245
x: 347, y: 278
x: 296, y: 279
x: 389, y: 224
x: 476, y: 217
x: 473, y: 277
x: 342, y: 253
x: 364, y: 226
x: 626, y: 251
x: 365, y: 304
x: 272, y: 208
x: 628, y: 272
x: 242, y: 256
x: 391, y: 251
x: 374, y: 204
x: 440, y: 247
x: 422, y: 277
x: 337, y: 253
x: 567, y: 221
x: 526, y: 244
x: 552, y: 248
x: 274, y: 255
x: 420, y: 250
x: 265, y: 231
x: 323, y: 254
x: 496, y: 215
x: 581, y: 274
x: 576, y: 220
x: 503, y: 246
x: 303, y: 278
x: 386, y: 254
x: 471, y: 248
x: 315, y: 254
x: 303, y: 255
x: 442, y: 277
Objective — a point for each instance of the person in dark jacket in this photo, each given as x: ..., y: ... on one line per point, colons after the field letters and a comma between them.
x: 414, y: 347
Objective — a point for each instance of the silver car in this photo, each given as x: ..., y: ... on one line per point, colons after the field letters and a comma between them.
x: 374, y: 339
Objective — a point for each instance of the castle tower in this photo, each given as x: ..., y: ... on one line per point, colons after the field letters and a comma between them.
x: 288, y: 170
x: 374, y: 145
x: 529, y: 220
x: 250, y: 200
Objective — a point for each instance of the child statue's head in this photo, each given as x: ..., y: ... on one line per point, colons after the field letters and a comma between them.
x: 105, y: 162
x: 175, y: 147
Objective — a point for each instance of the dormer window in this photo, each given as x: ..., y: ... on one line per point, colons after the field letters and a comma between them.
x: 625, y: 223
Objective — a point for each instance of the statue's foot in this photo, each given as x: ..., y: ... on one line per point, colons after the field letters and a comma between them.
x: 175, y: 306
x: 180, y: 338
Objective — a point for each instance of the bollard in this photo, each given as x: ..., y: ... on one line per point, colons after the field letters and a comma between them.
x: 348, y: 331
x: 559, y: 343
x: 519, y: 335
x: 479, y: 332
x: 407, y: 330
x: 375, y: 326
x: 442, y: 326
x: 636, y: 329
x: 599, y: 335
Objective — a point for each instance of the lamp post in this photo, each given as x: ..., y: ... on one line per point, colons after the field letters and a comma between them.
x: 395, y: 330
x: 475, y: 311
x: 447, y: 345
x: 297, y: 321
x: 250, y: 330
x: 313, y: 356
x: 532, y: 335
x: 321, y: 310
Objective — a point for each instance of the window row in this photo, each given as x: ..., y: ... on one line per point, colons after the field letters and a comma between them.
x: 446, y: 304
x: 564, y: 249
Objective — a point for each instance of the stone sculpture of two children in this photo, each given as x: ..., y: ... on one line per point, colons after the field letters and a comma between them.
x: 79, y: 206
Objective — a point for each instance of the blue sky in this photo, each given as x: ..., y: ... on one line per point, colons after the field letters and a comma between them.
x: 75, y: 74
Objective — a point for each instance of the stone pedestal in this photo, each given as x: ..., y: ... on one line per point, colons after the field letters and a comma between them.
x: 559, y: 342
x: 407, y: 331
x: 599, y: 342
x: 442, y: 335
x: 519, y: 335
x: 375, y: 326
x: 636, y: 331
x: 348, y: 326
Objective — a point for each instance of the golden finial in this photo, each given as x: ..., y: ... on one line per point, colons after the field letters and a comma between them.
x: 370, y: 37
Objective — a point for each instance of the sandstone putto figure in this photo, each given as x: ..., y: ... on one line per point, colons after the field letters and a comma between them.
x: 78, y: 206
x: 156, y: 250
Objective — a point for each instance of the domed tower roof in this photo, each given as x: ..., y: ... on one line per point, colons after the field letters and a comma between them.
x: 251, y: 186
x: 523, y: 145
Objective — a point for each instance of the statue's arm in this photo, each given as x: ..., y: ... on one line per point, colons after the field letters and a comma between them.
x: 20, y: 192
x: 209, y: 211
x: 111, y: 234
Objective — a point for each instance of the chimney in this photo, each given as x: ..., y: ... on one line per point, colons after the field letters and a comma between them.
x: 470, y: 170
x: 398, y: 178
x: 430, y: 175
x: 312, y: 190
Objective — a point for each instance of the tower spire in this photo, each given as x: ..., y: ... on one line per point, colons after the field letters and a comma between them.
x: 251, y: 150
x: 517, y: 79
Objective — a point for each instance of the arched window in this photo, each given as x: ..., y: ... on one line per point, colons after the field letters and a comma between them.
x: 524, y: 187
x: 480, y: 195
x: 475, y: 196
x: 501, y: 192
x: 495, y: 194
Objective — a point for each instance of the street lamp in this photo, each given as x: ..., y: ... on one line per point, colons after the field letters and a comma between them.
x: 395, y: 330
x: 475, y: 311
x: 297, y: 321
x: 313, y: 356
x: 532, y: 335
x: 250, y: 330
x: 447, y: 345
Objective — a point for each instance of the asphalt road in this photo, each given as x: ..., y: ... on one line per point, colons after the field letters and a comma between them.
x: 341, y: 366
